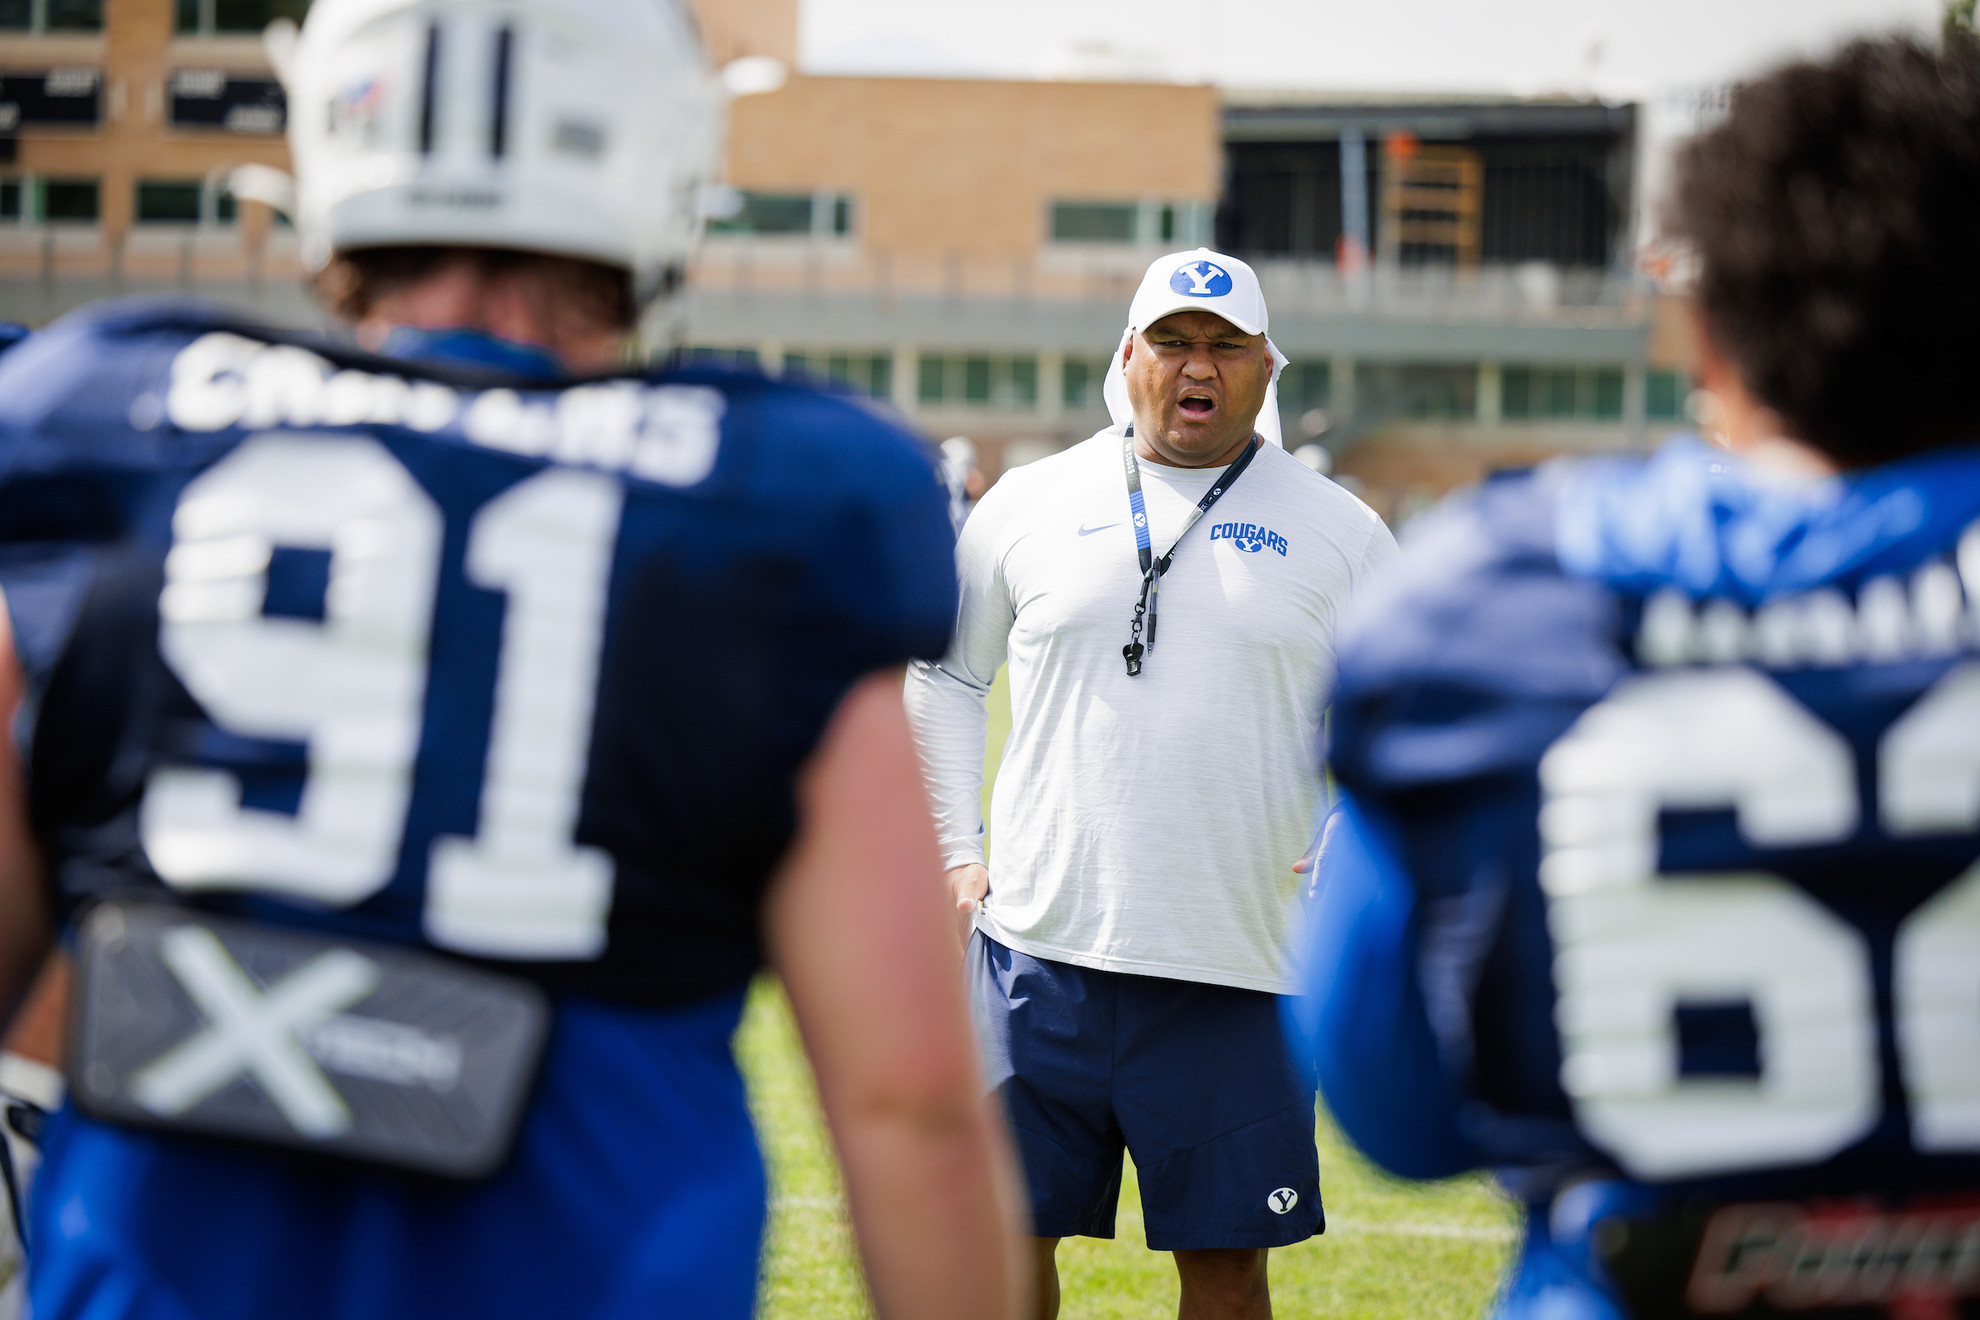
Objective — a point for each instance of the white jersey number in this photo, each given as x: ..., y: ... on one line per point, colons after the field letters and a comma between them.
x: 1631, y: 945
x: 353, y: 688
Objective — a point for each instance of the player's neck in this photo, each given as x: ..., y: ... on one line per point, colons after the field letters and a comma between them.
x: 1784, y: 456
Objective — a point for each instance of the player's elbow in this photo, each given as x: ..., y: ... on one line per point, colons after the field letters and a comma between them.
x: 934, y: 1093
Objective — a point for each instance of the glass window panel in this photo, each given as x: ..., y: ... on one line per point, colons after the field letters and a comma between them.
x: 10, y: 199
x: 1608, y: 394
x: 254, y: 15
x: 768, y: 213
x: 71, y: 201
x: 880, y: 376
x: 838, y: 368
x: 75, y: 15
x: 1304, y: 386
x: 168, y: 201
x: 1516, y: 393
x: 795, y: 364
x: 1024, y: 382
x: 842, y: 212
x: 1093, y: 222
x: 929, y: 388
x: 1440, y: 391
x: 1073, y: 383
x: 188, y: 16
x: 741, y: 358
x: 15, y: 15
x: 976, y: 379
x: 1557, y: 399
x: 1663, y: 395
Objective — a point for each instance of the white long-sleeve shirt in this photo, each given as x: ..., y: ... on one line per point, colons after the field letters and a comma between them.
x: 1145, y: 824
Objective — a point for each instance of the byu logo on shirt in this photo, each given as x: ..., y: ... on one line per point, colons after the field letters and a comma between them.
x: 1201, y: 279
x: 1282, y: 1200
x: 1249, y: 537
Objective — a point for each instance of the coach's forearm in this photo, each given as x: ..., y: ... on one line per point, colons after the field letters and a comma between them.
x: 951, y: 722
x: 932, y: 1243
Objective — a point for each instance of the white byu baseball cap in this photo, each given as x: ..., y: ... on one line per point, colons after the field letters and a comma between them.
x: 1199, y: 281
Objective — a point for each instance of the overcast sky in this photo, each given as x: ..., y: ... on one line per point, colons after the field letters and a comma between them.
x: 1621, y: 49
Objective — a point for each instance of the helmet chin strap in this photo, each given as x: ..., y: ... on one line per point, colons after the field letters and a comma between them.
x: 1115, y: 392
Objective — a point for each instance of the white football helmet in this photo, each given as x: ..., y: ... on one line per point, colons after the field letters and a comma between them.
x: 583, y: 128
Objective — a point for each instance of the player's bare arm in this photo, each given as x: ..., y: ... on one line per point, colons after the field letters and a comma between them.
x: 855, y: 926
x: 26, y: 923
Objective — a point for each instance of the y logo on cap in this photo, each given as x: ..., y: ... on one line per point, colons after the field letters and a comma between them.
x: 1201, y: 279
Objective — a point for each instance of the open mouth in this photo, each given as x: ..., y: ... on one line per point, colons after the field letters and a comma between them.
x: 1198, y: 405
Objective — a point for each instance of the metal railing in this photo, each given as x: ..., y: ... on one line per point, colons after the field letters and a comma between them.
x: 47, y: 269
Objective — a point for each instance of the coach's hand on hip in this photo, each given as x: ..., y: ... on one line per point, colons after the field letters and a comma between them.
x: 970, y: 883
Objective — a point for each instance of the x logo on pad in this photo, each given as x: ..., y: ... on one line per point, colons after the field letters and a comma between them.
x: 252, y: 1033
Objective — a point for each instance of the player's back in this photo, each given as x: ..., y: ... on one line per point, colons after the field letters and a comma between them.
x: 1658, y: 886
x: 462, y: 659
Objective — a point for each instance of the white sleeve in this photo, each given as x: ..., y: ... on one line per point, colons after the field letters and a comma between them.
x: 1381, y: 548
x: 945, y: 701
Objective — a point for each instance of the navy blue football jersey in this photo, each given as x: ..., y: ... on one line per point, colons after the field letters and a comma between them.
x: 1655, y: 886
x: 522, y: 672
x: 442, y: 652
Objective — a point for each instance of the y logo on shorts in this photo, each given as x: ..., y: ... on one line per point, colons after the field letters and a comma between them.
x: 1282, y: 1200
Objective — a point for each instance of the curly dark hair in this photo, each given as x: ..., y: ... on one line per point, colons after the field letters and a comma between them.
x: 1836, y: 217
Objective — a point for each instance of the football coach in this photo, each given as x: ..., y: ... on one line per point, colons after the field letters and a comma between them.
x: 1165, y: 594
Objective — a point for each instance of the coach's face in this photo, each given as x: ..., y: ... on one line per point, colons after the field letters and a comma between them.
x: 1196, y: 382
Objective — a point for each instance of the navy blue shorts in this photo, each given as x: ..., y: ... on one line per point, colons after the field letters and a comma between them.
x: 1194, y: 1080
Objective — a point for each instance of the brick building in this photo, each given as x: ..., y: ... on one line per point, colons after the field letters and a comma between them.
x: 1451, y: 279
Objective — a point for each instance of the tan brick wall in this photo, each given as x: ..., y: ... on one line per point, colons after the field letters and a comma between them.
x: 733, y: 28
x: 970, y: 165
x: 1673, y: 334
x: 1404, y: 467
x: 137, y: 53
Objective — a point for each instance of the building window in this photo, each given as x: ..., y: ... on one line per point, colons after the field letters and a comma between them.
x: 184, y: 202
x: 869, y: 373
x: 1304, y: 386
x: 1150, y: 224
x: 1585, y: 394
x: 1081, y: 381
x: 204, y: 18
x: 736, y: 359
x: 51, y: 15
x: 1664, y: 395
x: 786, y: 215
x: 50, y: 98
x: 12, y: 193
x: 978, y: 382
x: 210, y: 99
x: 67, y: 201
x: 1419, y: 391
x: 1094, y: 222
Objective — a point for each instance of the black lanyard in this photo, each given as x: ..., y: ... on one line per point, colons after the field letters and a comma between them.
x: 1152, y: 568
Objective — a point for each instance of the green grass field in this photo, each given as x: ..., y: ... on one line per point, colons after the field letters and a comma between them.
x: 1392, y: 1251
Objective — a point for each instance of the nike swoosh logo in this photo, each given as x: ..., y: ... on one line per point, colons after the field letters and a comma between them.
x: 1088, y: 531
